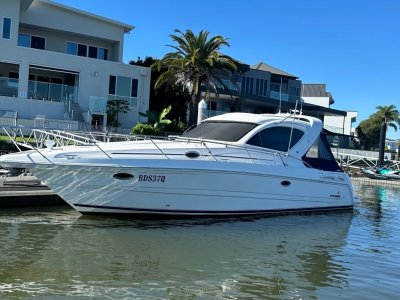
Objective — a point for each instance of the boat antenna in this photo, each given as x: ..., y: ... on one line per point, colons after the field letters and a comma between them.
x: 301, y: 99
x: 280, y: 96
x: 291, y: 131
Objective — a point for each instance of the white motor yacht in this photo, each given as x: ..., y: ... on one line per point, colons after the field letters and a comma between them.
x: 233, y: 164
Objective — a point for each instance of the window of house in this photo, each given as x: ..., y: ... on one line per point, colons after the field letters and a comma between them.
x: 87, y: 51
x: 112, y: 85
x: 72, y: 48
x: 24, y: 40
x: 82, y: 50
x: 92, y: 52
x: 13, y: 75
x: 134, y: 88
x: 102, y: 54
x: 31, y: 41
x: 257, y: 86
x: 38, y: 42
x: 265, y: 87
x: 123, y: 86
x: 276, y: 138
x: 6, y: 28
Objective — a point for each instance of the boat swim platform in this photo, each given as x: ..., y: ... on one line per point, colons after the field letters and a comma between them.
x: 26, y: 191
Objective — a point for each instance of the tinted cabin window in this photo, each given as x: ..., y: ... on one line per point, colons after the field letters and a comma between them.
x: 276, y: 138
x: 320, y: 156
x: 220, y: 131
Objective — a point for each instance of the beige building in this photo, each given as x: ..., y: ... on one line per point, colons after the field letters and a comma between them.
x: 59, y: 66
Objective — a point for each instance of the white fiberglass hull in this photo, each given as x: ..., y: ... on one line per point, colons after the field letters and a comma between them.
x: 190, y: 191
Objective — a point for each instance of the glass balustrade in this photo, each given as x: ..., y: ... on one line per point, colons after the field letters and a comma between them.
x: 52, y: 92
x: 97, y: 104
x: 8, y: 87
x: 132, y: 101
x: 279, y: 96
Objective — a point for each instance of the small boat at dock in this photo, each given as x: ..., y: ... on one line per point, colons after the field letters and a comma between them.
x: 233, y: 164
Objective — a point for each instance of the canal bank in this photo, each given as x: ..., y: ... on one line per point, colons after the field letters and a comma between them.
x: 375, y: 182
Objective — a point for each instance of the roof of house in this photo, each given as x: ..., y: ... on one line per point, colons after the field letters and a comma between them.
x: 316, y: 90
x: 25, y: 4
x: 268, y: 68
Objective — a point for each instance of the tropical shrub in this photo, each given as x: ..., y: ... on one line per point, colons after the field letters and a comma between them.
x: 145, y: 129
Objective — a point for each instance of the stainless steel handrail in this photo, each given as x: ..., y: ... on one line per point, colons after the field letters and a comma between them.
x: 63, y: 138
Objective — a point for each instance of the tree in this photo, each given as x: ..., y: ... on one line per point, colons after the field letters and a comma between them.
x: 368, y: 133
x: 176, y: 94
x: 196, y: 62
x: 114, y: 108
x: 161, y: 120
x: 387, y: 115
x: 372, y: 131
x: 158, y: 125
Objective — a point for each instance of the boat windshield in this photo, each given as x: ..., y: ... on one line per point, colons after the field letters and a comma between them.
x: 320, y: 156
x: 220, y: 131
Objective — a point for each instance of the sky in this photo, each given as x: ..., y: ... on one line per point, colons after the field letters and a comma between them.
x: 353, y: 46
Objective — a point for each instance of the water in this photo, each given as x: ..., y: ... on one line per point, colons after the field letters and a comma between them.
x: 57, y: 253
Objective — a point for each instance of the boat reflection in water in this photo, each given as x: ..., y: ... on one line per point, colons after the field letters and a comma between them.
x: 288, y: 256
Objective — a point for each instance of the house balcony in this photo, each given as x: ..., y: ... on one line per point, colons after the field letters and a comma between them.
x: 279, y: 96
x: 46, y: 91
x: 9, y: 87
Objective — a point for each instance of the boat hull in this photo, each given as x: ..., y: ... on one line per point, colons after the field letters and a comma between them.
x: 196, y: 191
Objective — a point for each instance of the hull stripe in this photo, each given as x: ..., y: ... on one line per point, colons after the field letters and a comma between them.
x: 213, y: 212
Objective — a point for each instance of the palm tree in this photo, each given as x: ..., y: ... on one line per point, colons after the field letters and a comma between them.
x: 387, y: 115
x: 196, y: 62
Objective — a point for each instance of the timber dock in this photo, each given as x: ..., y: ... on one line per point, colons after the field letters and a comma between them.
x: 26, y: 191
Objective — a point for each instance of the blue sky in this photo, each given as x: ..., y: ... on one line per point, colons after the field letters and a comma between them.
x: 353, y: 46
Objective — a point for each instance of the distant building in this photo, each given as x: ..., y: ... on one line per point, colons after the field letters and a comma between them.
x: 316, y: 94
x: 392, y: 145
x: 60, y: 66
x: 262, y: 88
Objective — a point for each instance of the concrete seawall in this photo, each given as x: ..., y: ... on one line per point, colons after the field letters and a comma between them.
x: 375, y: 182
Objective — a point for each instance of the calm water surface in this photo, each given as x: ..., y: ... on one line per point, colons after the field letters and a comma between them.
x: 56, y: 252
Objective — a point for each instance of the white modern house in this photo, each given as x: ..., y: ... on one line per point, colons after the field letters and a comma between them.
x: 316, y: 94
x: 59, y: 66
